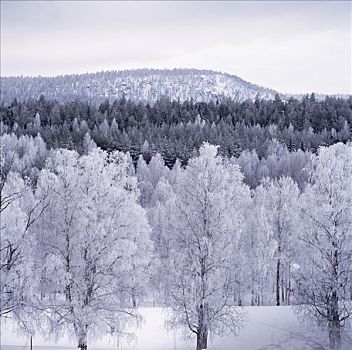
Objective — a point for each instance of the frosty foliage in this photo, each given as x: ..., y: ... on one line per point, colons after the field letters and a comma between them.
x: 86, y: 239
x: 25, y: 155
x: 96, y: 241
x: 278, y: 208
x: 19, y: 211
x: 207, y: 228
x: 325, y: 278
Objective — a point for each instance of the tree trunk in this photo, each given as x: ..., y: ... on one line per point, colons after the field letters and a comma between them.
x: 335, y: 337
x: 278, y: 264
x: 334, y: 326
x: 253, y: 293
x: 202, y: 334
x: 288, y: 287
x: 202, y: 338
x: 199, y: 342
x: 134, y: 300
x: 82, y: 342
x: 334, y: 322
x: 205, y: 338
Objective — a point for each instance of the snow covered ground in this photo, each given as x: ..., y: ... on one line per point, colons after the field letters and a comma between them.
x: 266, y: 328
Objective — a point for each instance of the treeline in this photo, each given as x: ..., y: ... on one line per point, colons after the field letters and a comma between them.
x: 176, y: 130
x: 27, y: 155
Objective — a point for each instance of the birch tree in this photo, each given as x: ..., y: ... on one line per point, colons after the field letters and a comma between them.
x: 277, y: 220
x: 19, y: 210
x: 97, y: 244
x: 325, y: 278
x: 203, y: 259
x: 257, y: 249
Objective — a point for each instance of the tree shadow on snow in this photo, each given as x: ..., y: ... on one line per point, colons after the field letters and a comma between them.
x: 297, y: 340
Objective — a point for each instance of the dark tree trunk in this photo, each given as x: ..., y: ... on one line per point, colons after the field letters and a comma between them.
x: 288, y: 287
x: 278, y: 264
x: 205, y: 338
x: 202, y: 339
x: 334, y: 326
x: 199, y: 342
x: 335, y: 338
x: 82, y: 341
x: 202, y: 334
x: 82, y: 346
x: 334, y: 322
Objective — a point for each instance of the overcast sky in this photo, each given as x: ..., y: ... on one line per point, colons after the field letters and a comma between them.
x: 288, y: 46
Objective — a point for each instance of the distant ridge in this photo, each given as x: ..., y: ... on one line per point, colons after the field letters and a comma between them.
x: 145, y: 85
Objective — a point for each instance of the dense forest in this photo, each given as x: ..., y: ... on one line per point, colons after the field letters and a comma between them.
x: 87, y: 239
x: 177, y: 129
x: 199, y: 207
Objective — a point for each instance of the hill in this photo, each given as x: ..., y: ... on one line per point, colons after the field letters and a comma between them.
x: 145, y: 85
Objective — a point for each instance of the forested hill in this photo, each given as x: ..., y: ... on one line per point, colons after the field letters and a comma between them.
x: 145, y: 85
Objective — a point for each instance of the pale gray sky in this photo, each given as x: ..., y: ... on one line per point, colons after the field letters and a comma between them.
x: 288, y: 46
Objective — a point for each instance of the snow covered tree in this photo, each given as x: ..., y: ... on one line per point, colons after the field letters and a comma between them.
x: 88, y: 144
x: 97, y: 247
x: 249, y: 163
x: 75, y: 126
x: 19, y: 210
x: 160, y: 213
x: 256, y: 249
x: 146, y: 152
x: 37, y: 122
x: 278, y: 202
x: 114, y: 129
x: 149, y: 175
x: 325, y: 279
x: 83, y: 127
x: 24, y: 155
x: 203, y: 258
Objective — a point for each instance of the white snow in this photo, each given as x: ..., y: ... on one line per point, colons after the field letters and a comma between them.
x: 137, y: 85
x: 266, y: 328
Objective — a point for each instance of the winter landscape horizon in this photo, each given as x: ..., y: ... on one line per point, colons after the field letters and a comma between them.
x: 165, y: 208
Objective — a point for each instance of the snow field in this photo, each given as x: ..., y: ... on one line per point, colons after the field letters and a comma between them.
x: 266, y: 328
